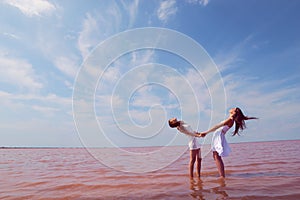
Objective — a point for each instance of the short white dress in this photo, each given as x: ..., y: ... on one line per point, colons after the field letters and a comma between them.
x: 219, y: 143
x: 186, y: 129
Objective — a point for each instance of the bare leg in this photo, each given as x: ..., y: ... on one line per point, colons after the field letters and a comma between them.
x: 192, y: 162
x: 198, y: 157
x: 219, y: 163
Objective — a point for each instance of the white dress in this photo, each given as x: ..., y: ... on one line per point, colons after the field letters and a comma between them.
x: 187, y: 130
x: 219, y: 143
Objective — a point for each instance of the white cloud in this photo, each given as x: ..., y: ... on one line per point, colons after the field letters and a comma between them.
x: 111, y: 75
x: 275, y: 102
x: 142, y: 57
x: 232, y: 57
x: 10, y: 35
x: 32, y: 7
x: 256, y: 95
x: 19, y: 73
x: 200, y: 2
x: 46, y: 110
x: 145, y: 98
x: 166, y: 10
x: 29, y: 106
x: 50, y: 99
x: 34, y: 116
x: 66, y: 65
x: 106, y: 100
x: 132, y: 10
x: 125, y: 66
x: 278, y: 109
x: 86, y: 40
x: 97, y: 27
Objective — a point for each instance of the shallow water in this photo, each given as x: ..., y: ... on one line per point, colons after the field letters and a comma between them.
x: 262, y: 170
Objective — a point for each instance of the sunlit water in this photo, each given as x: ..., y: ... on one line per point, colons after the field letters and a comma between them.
x: 263, y: 170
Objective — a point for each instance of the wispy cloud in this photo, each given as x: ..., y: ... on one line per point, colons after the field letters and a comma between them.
x: 32, y: 8
x: 31, y: 105
x: 143, y: 57
x: 145, y: 98
x: 278, y: 109
x: 200, y: 2
x: 10, y: 35
x: 166, y: 10
x: 45, y: 110
x: 232, y: 57
x: 50, y: 99
x: 132, y: 10
x: 86, y: 40
x: 275, y: 102
x: 67, y: 66
x: 96, y: 27
x: 18, y: 72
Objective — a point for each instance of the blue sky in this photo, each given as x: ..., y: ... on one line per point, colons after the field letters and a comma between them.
x: 43, y: 45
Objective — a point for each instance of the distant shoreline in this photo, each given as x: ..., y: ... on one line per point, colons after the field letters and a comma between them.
x: 7, y: 147
x: 42, y: 147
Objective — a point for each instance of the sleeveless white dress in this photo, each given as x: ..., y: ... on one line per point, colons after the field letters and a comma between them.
x: 187, y: 130
x: 219, y: 143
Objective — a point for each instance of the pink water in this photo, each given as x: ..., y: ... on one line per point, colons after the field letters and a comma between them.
x: 263, y: 170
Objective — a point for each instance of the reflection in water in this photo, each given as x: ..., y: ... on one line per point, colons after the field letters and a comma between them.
x: 220, y: 190
x: 197, y: 188
x: 198, y: 192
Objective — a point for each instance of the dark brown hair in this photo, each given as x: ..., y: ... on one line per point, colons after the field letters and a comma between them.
x: 173, y: 125
x: 239, y: 120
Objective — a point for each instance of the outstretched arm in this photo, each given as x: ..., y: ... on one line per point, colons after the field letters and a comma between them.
x: 188, y: 132
x: 202, y: 134
x: 195, y: 134
x: 247, y: 118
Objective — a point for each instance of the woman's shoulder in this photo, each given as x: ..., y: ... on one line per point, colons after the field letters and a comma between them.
x: 228, y: 122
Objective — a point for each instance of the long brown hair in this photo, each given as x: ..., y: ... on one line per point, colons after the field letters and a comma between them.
x: 239, y: 120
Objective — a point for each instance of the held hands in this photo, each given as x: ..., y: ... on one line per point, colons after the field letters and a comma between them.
x: 201, y: 134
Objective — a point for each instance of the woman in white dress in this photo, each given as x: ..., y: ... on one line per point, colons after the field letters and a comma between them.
x: 194, y: 145
x: 219, y: 144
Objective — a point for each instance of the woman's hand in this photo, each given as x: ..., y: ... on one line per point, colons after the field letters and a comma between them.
x: 202, y: 134
x: 198, y: 134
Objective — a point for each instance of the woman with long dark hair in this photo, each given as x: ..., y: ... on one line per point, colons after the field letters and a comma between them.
x: 194, y: 145
x: 219, y: 144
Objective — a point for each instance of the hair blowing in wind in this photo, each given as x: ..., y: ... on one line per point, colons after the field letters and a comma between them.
x: 239, y: 119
